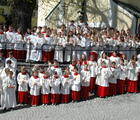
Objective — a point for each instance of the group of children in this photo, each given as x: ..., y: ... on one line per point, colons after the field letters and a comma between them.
x: 41, y: 44
x: 105, y: 76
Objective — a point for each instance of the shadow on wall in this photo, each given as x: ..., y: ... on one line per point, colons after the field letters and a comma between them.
x: 108, y: 15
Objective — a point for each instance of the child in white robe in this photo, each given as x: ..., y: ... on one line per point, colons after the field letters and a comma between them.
x: 121, y: 87
x: 92, y: 68
x: 56, y: 68
x: 65, y: 86
x: 114, y: 74
x: 102, y: 80
x: 76, y: 85
x: 55, y: 88
x: 9, y: 93
x: 23, y: 80
x: 34, y: 84
x: 133, y: 72
x: 85, y: 81
x: 45, y: 89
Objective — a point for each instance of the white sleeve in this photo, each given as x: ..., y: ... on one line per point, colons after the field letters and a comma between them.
x: 18, y: 79
x: 31, y: 83
x: 77, y: 81
x: 57, y: 82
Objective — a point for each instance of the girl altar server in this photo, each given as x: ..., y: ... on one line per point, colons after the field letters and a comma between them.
x: 34, y: 84
x: 22, y: 80
x: 76, y: 86
x: 9, y: 91
x: 45, y: 89
x: 55, y: 88
x: 65, y: 87
x: 85, y: 81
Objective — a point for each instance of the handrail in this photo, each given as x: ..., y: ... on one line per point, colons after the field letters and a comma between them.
x: 52, y: 10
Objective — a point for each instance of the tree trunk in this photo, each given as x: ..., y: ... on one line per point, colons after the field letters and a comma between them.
x: 22, y: 14
x: 84, y: 12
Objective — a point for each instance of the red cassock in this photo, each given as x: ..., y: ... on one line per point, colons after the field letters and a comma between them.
x: 47, y: 54
x: 132, y: 86
x: 20, y: 54
x: 34, y: 100
x: 4, y: 53
x: 84, y: 92
x: 121, y: 86
x: 138, y: 79
x: 65, y: 98
x: 55, y: 98
x: 112, y: 89
x: 22, y: 97
x: 92, y: 84
x: 103, y: 91
x: 45, y: 99
x: 75, y: 95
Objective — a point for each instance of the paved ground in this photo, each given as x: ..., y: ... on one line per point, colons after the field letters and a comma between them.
x: 122, y: 107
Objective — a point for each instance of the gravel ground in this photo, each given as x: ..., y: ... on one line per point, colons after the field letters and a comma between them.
x: 121, y: 107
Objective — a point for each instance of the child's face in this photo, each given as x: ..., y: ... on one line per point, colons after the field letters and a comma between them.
x: 49, y: 63
x: 23, y: 70
x: 55, y: 63
x: 9, y: 64
x: 104, y: 55
x: 35, y: 73
x: 103, y: 64
x: 122, y: 62
x: 113, y: 64
x: 75, y: 70
x: 46, y: 74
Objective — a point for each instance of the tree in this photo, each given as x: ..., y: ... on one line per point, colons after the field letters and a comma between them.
x: 21, y: 13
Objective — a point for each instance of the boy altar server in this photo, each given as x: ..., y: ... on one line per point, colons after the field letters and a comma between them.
x: 65, y: 87
x: 85, y: 81
x: 113, y: 79
x: 102, y: 80
x: 133, y: 72
x: 34, y: 84
x: 92, y: 68
x: 76, y: 85
x: 55, y: 88
x: 45, y: 89
x: 23, y: 80
x: 122, y: 77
